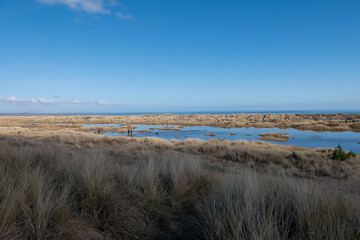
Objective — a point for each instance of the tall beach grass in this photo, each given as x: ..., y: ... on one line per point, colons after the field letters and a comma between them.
x: 56, y: 192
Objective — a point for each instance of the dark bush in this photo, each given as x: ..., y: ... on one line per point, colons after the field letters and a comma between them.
x: 341, y: 155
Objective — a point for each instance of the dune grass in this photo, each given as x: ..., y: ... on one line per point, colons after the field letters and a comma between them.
x: 50, y: 191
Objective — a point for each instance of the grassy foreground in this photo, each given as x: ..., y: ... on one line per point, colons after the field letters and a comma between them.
x: 56, y: 192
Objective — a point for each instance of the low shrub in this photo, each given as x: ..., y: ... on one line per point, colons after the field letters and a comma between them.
x: 341, y: 155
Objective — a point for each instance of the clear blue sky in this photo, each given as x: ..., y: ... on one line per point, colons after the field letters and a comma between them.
x: 179, y: 55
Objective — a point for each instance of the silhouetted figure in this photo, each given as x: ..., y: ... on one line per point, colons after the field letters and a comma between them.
x: 128, y: 132
x: 131, y: 132
x: 98, y: 131
x: 157, y: 133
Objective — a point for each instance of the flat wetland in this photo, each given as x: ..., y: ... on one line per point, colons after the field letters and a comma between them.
x: 304, y: 130
x: 179, y: 177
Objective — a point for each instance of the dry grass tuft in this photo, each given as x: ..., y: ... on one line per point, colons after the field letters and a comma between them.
x: 210, y: 134
x: 279, y: 137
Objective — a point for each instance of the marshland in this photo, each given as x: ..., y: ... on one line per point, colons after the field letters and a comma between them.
x: 304, y: 130
x: 61, y: 181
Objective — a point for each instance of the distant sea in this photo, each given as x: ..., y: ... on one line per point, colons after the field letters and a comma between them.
x: 186, y: 112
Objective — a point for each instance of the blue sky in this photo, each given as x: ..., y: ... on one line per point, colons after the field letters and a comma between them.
x: 188, y: 55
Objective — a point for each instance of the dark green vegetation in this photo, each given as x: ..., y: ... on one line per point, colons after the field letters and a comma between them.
x: 50, y: 191
x: 341, y: 155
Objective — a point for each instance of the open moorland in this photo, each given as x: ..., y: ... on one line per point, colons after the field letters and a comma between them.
x: 63, y: 182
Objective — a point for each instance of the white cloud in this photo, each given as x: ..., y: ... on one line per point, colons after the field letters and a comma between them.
x: 43, y: 101
x: 124, y: 16
x: 102, y: 102
x: 89, y: 6
x: 46, y: 101
x: 76, y: 101
x: 15, y: 100
x: 18, y: 100
x: 115, y: 3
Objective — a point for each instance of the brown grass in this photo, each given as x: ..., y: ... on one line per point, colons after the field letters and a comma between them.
x: 279, y: 137
x: 315, y: 122
x: 299, y: 161
x: 151, y: 191
x: 210, y: 134
x: 296, y: 160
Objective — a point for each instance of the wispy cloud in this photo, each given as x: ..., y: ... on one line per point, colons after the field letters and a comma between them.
x: 43, y: 101
x: 124, y: 16
x: 46, y: 101
x: 76, y: 101
x: 91, y: 6
x: 103, y: 103
x: 114, y: 3
x: 17, y: 100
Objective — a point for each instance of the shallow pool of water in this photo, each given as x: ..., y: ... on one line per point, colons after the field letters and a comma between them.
x: 348, y: 140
